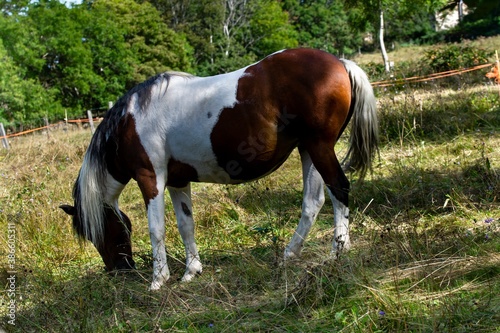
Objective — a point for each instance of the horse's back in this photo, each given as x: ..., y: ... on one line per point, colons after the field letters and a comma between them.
x: 242, y: 125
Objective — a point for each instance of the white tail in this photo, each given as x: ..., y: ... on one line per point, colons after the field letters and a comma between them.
x: 363, y: 141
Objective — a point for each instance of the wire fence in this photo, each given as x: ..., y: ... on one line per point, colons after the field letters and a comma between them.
x: 429, y: 77
x: 90, y: 120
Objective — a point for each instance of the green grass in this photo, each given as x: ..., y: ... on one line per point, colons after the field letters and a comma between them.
x: 425, y: 233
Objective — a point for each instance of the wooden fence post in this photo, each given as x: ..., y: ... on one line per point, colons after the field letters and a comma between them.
x: 5, y: 142
x: 65, y: 120
x: 91, y: 121
x: 46, y: 120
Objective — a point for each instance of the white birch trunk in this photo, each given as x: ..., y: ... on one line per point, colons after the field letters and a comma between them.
x: 385, y: 57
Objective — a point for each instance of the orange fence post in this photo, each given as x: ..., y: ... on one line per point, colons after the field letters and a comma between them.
x: 498, y: 72
x: 495, y: 72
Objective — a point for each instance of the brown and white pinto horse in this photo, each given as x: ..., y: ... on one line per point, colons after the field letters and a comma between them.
x: 175, y: 129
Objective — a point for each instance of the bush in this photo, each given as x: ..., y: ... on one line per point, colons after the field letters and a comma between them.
x: 455, y: 56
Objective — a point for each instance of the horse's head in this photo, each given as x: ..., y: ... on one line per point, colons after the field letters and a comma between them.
x: 115, y: 247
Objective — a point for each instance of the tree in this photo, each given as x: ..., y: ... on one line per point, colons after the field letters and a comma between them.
x: 323, y: 25
x: 229, y: 34
x: 375, y: 10
x: 13, y: 7
x: 252, y: 30
x: 95, y: 51
x: 270, y: 30
x: 80, y: 57
x: 67, y: 61
x: 23, y: 101
x: 154, y: 46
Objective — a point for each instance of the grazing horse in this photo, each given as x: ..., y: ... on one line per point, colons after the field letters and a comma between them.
x: 176, y: 128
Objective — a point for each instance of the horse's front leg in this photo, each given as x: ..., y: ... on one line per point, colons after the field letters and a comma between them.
x: 153, y: 190
x: 156, y: 221
x: 181, y: 200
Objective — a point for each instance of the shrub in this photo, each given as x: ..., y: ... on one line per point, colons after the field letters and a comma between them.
x: 455, y: 56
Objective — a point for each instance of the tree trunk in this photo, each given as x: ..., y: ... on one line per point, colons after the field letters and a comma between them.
x: 460, y: 10
x: 385, y: 57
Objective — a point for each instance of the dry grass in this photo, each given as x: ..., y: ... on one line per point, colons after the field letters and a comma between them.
x: 426, y: 238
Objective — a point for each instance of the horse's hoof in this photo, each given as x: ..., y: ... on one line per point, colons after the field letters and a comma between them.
x: 290, y: 255
x: 126, y: 264
x: 188, y: 276
x: 158, y: 282
x: 155, y: 286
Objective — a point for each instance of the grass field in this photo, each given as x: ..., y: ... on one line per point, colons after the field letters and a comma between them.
x: 425, y: 232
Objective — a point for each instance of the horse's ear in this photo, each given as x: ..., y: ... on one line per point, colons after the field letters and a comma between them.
x: 70, y: 210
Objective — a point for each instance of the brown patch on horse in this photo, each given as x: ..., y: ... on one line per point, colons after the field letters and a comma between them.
x: 277, y: 98
x: 117, y: 250
x: 127, y: 158
x: 180, y: 174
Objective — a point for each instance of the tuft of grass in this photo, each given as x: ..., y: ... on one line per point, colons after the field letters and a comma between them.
x: 425, y: 232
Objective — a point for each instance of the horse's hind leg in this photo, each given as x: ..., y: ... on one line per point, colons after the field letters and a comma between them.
x: 313, y: 199
x: 181, y: 200
x: 326, y: 162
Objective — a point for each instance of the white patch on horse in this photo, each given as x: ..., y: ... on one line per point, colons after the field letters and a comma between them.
x: 113, y: 190
x: 178, y: 123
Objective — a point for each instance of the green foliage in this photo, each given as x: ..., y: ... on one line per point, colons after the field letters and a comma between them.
x: 200, y: 21
x: 22, y: 101
x: 67, y: 64
x: 84, y: 56
x: 323, y: 25
x: 418, y: 27
x: 455, y: 56
x: 152, y: 46
x: 250, y: 31
x: 270, y: 28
